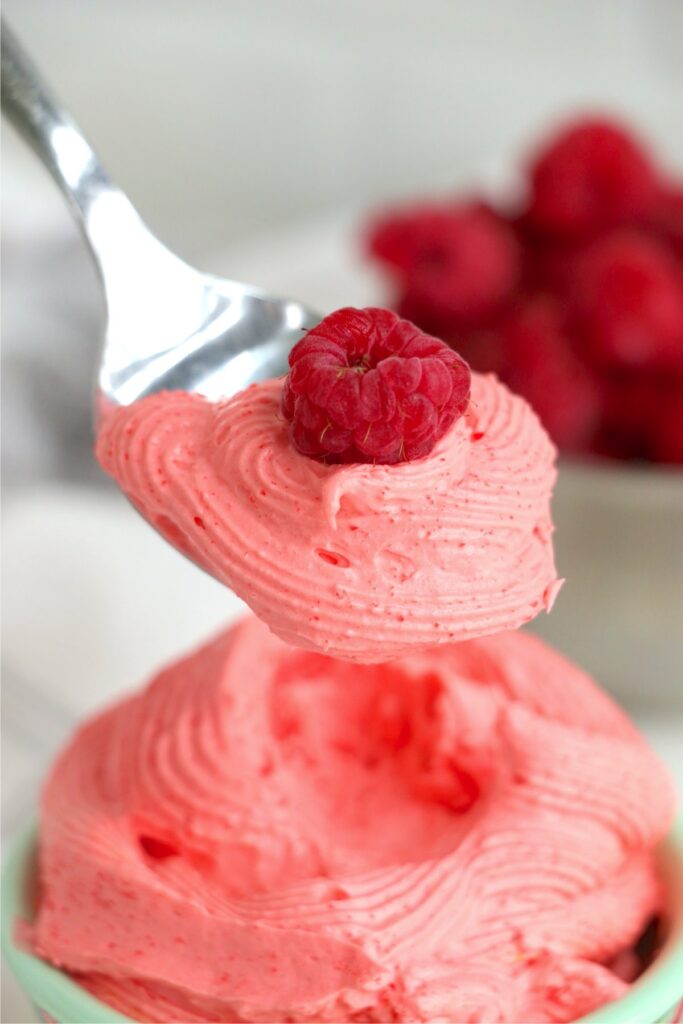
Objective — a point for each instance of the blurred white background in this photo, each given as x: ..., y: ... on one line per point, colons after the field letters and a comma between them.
x: 250, y: 134
x: 228, y: 120
x: 224, y: 118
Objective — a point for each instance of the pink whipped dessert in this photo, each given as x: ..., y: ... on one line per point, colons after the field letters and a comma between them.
x: 267, y: 834
x: 364, y: 561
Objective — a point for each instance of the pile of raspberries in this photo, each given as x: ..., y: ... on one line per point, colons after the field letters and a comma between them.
x: 575, y: 299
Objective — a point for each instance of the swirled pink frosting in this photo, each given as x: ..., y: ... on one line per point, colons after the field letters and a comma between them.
x: 362, y: 562
x: 267, y: 834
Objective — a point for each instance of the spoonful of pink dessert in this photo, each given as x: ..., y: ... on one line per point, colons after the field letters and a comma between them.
x: 169, y: 327
x: 379, y: 499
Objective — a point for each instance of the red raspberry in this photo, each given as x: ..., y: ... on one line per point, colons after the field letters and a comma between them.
x: 628, y: 303
x: 592, y: 175
x: 453, y: 263
x: 366, y: 386
x: 541, y: 367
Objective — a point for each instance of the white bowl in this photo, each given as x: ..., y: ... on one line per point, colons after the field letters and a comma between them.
x: 619, y: 544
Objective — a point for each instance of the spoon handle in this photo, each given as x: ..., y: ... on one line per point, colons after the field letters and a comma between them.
x: 111, y: 225
x: 50, y: 132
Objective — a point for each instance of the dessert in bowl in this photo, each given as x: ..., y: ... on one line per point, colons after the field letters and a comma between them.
x: 366, y: 560
x: 456, y: 828
x: 264, y: 833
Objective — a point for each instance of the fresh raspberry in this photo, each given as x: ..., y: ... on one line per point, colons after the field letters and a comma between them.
x: 366, y: 386
x: 592, y: 175
x: 628, y: 302
x: 541, y: 366
x: 453, y: 263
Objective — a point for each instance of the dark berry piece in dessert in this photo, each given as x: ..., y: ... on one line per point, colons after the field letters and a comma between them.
x: 593, y: 175
x: 367, y: 386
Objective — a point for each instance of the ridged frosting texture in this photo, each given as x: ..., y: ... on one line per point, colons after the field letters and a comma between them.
x: 267, y: 834
x: 364, y: 562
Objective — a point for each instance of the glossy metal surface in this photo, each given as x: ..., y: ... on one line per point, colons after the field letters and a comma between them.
x: 168, y: 325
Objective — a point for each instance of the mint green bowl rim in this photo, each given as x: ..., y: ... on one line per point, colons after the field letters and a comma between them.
x: 649, y: 1000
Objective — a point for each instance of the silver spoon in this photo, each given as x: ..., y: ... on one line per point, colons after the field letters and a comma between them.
x: 169, y: 327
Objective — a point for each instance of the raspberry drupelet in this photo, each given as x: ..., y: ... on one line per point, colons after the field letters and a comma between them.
x: 367, y: 386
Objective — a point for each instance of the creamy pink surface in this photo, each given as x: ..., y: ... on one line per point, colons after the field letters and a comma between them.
x: 363, y: 562
x: 266, y: 834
